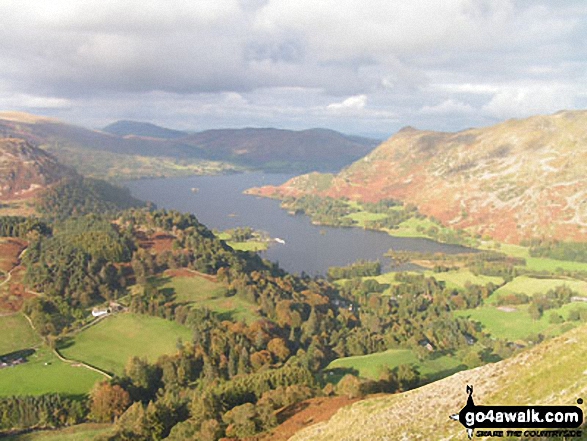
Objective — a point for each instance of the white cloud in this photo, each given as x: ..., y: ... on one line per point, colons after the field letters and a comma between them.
x: 448, y: 107
x: 357, y: 102
x: 526, y: 100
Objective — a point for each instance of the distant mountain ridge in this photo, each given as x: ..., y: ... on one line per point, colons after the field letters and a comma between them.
x: 267, y: 149
x: 126, y: 128
x: 515, y: 180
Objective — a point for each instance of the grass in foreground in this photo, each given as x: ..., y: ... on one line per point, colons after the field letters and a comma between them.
x: 45, y: 373
x: 551, y: 373
x: 111, y: 343
x: 16, y: 334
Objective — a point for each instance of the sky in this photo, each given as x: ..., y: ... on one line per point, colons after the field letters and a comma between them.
x: 365, y: 67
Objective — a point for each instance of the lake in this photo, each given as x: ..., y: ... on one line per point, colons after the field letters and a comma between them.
x: 220, y: 204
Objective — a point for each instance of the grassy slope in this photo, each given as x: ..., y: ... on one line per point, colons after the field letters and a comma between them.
x: 535, y: 263
x: 517, y: 324
x: 16, y: 333
x: 531, y: 286
x: 551, y: 373
x: 203, y: 292
x: 36, y: 378
x: 369, y: 366
x: 110, y: 343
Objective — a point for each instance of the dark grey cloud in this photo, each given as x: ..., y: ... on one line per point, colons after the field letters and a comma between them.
x: 343, y: 63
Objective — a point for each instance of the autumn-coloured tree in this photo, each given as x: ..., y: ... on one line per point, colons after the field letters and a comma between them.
x: 108, y: 402
x: 278, y: 347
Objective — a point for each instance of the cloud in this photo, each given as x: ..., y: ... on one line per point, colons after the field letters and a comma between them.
x: 526, y: 100
x: 448, y: 107
x: 357, y: 102
x: 418, y: 59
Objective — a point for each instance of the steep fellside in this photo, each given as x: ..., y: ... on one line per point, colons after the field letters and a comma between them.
x: 515, y: 180
x: 25, y: 169
x: 555, y: 372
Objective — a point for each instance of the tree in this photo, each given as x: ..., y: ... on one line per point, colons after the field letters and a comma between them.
x: 108, y: 402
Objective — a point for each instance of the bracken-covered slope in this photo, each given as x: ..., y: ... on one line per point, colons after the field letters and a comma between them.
x: 555, y: 372
x: 24, y: 169
x: 515, y: 180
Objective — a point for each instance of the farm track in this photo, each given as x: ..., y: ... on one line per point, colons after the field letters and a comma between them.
x: 76, y: 363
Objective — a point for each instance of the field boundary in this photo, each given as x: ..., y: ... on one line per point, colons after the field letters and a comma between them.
x: 76, y: 363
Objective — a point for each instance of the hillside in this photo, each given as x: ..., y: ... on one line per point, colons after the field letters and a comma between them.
x: 126, y: 128
x: 552, y: 373
x: 25, y: 169
x: 141, y: 149
x: 314, y: 149
x: 514, y: 180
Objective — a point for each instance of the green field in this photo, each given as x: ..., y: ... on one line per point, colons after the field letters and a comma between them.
x: 206, y: 293
x: 249, y: 245
x: 81, y: 432
x: 370, y: 366
x: 363, y: 216
x: 531, y: 286
x: 459, y: 278
x: 535, y: 263
x: 517, y: 324
x: 111, y: 343
x: 16, y: 333
x: 45, y: 373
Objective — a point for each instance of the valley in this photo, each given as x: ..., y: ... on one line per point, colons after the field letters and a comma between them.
x: 223, y: 313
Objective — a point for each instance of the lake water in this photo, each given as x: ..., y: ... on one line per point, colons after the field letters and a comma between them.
x: 220, y: 204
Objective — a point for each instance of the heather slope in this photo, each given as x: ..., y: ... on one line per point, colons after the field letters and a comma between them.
x: 24, y: 169
x: 555, y: 372
x: 515, y: 180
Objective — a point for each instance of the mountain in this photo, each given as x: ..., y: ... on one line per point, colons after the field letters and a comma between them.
x: 553, y: 372
x: 147, y: 130
x: 141, y: 149
x: 25, y: 169
x: 313, y: 149
x: 515, y: 180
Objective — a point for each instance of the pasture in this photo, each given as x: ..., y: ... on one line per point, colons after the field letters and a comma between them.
x: 460, y: 278
x: 514, y: 323
x: 205, y: 292
x: 532, y: 285
x: 109, y: 344
x: 45, y: 373
x: 16, y: 334
x: 370, y: 366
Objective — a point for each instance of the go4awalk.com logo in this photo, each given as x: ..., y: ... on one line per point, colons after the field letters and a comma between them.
x: 553, y: 421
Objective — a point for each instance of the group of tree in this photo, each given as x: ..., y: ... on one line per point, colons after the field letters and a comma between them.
x: 44, y: 411
x: 559, y: 250
x: 322, y: 210
x: 361, y: 268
